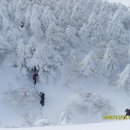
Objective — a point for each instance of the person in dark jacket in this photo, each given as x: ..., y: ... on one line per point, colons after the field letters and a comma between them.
x: 42, y: 101
x: 34, y: 69
x: 22, y: 24
x: 127, y: 112
x: 35, y: 76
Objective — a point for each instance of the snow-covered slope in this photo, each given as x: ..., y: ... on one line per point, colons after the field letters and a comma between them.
x: 63, y: 105
x: 81, y: 49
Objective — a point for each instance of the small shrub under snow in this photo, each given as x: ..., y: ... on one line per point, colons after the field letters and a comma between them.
x: 86, y: 103
x: 21, y: 95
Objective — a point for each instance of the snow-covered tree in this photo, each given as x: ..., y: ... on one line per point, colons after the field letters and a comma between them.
x: 35, y: 23
x: 31, y: 47
x: 124, y: 79
x: 116, y: 28
x: 89, y: 103
x: 23, y: 95
x: 65, y: 117
x: 46, y: 18
x: 48, y: 60
x: 89, y: 65
x: 110, y: 63
x: 29, y: 119
x: 119, y: 33
x: 71, y: 70
x: 71, y: 36
x: 79, y: 15
x: 20, y: 55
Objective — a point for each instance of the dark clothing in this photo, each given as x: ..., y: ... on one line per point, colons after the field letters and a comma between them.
x: 35, y: 78
x: 127, y: 112
x: 22, y: 24
x: 42, y: 95
x: 35, y: 81
x: 42, y: 103
x: 35, y: 69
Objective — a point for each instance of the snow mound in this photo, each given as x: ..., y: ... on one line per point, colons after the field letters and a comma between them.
x: 21, y: 95
x: 42, y: 122
x: 85, y: 106
x: 85, y: 103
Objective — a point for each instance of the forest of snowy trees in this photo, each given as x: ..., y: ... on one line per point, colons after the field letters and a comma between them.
x: 66, y: 38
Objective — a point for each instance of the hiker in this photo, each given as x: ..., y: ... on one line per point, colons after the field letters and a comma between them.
x: 35, y: 74
x: 127, y: 112
x: 22, y: 24
x: 34, y: 69
x: 42, y: 95
x: 35, y: 77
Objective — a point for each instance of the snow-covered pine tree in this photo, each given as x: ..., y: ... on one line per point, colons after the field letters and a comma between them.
x: 89, y: 65
x: 35, y: 23
x: 124, y: 79
x: 46, y: 18
x: 117, y: 32
x: 110, y: 63
x: 71, y: 38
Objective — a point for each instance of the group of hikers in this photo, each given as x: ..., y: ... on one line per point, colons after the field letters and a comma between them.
x: 35, y: 79
x: 42, y: 95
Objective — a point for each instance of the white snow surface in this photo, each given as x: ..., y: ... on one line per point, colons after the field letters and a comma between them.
x: 57, y: 99
x: 120, y: 125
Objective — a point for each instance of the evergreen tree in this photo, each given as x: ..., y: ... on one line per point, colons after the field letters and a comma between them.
x: 124, y: 79
x: 110, y: 63
x: 89, y: 65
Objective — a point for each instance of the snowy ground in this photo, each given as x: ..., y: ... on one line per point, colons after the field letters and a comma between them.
x: 57, y: 98
x: 120, y: 125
